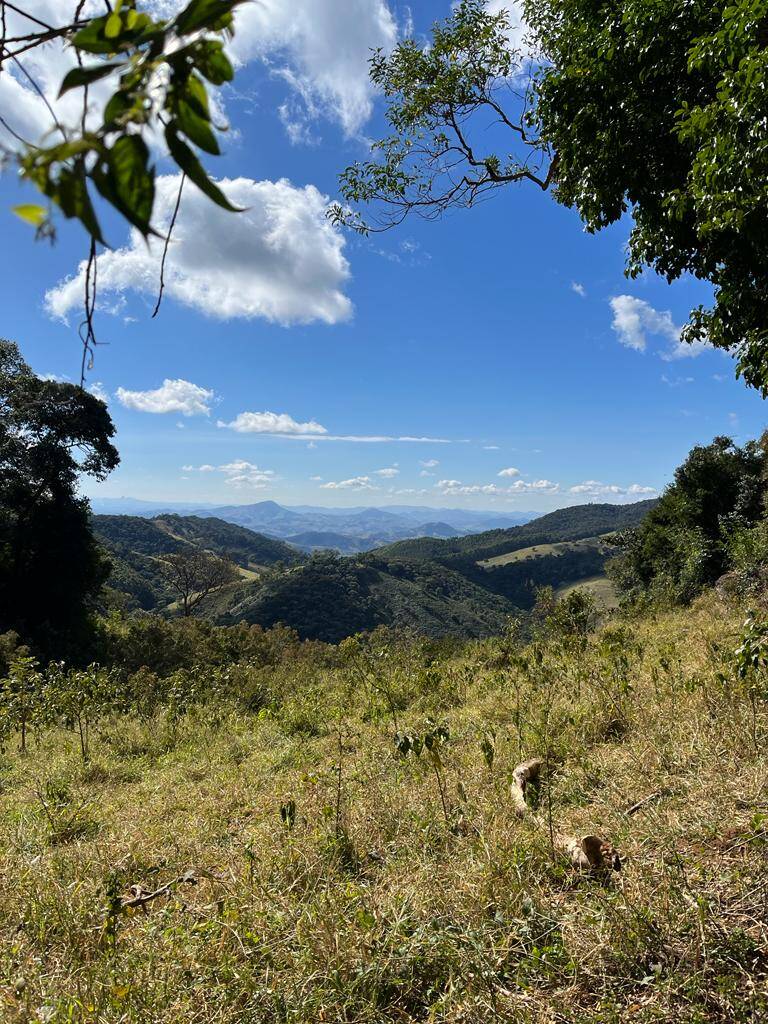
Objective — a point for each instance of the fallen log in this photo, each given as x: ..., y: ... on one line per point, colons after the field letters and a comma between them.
x: 588, y: 853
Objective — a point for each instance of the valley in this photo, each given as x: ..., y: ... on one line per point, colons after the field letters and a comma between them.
x: 466, y: 587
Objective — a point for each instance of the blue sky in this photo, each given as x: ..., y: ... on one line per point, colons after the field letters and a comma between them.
x: 298, y: 359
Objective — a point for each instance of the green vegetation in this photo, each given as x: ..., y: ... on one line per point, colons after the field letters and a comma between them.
x: 136, y: 546
x: 51, y: 569
x: 600, y: 588
x: 163, y: 67
x: 244, y: 840
x: 566, y: 524
x: 431, y: 587
x: 597, y: 544
x: 708, y: 522
x: 656, y: 109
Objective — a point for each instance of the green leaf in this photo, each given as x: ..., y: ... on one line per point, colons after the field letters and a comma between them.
x: 113, y: 26
x: 196, y: 129
x: 213, y: 63
x: 203, y: 14
x: 192, y: 167
x: 91, y: 38
x: 32, y: 214
x: 72, y: 197
x: 132, y: 180
x: 84, y: 76
x: 116, y: 106
x: 192, y: 114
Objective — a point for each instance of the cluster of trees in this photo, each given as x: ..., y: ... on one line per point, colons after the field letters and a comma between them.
x: 709, y: 521
x: 50, y: 564
x: 52, y: 568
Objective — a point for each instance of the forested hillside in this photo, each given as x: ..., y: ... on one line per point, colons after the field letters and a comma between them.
x: 435, y: 588
x: 136, y: 545
x: 572, y: 523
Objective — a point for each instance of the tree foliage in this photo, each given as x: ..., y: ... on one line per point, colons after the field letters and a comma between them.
x: 628, y: 106
x: 50, y: 566
x: 196, y: 575
x: 162, y: 70
x: 686, y: 542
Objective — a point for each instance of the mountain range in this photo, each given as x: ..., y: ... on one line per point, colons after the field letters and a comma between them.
x: 346, y: 530
x: 466, y: 586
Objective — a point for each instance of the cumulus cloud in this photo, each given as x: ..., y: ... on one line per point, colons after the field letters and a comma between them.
x: 173, y: 396
x: 457, y: 488
x: 635, y: 320
x: 510, y: 471
x: 596, y: 489
x: 355, y: 483
x: 388, y: 473
x: 320, y: 49
x: 280, y: 259
x: 428, y: 463
x: 579, y: 289
x: 240, y: 474
x: 272, y: 423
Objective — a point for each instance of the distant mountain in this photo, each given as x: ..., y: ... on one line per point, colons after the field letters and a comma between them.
x: 573, y: 523
x: 348, y: 530
x: 465, y: 586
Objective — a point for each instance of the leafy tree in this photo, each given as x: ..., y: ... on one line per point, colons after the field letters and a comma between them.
x: 50, y: 565
x: 685, y: 542
x: 195, y: 575
x: 657, y: 109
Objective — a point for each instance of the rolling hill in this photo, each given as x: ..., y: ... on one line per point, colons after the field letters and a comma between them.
x: 134, y: 545
x: 464, y: 587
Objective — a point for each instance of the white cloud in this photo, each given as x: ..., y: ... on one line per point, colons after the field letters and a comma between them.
x: 517, y: 26
x: 634, y: 320
x: 98, y: 390
x: 272, y: 423
x: 283, y: 425
x: 596, y: 488
x: 639, y: 489
x: 490, y: 448
x: 173, y: 396
x: 319, y: 47
x: 428, y: 463
x: 457, y: 488
x: 240, y: 474
x: 280, y: 259
x: 511, y: 471
x: 356, y: 483
x: 579, y: 289
x: 425, y: 472
x: 388, y: 473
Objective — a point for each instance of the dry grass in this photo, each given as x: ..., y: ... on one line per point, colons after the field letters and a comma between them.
x: 374, y: 907
x: 543, y: 550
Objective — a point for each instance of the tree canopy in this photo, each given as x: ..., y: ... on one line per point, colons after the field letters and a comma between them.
x: 50, y: 565
x: 620, y: 106
x: 687, y: 540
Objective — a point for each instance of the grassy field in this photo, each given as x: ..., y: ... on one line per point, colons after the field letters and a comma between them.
x: 542, y: 550
x: 600, y: 587
x: 285, y: 863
